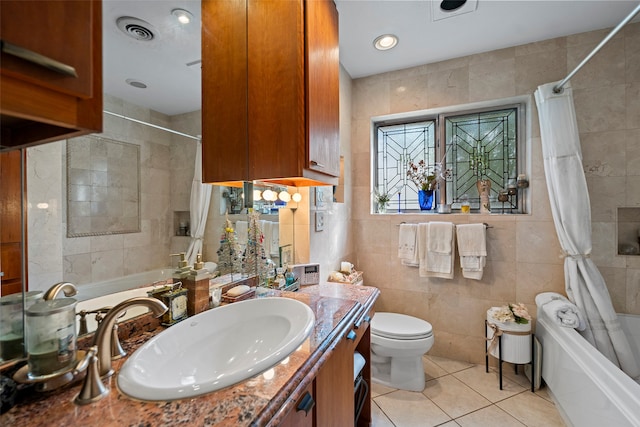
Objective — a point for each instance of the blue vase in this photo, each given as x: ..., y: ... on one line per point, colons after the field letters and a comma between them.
x: 425, y: 199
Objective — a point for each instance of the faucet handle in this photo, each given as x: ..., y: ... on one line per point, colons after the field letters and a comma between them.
x: 92, y: 389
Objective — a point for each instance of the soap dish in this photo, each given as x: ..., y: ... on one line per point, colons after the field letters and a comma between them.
x: 249, y: 294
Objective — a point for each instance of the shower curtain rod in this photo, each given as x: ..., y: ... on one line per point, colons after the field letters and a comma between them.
x: 152, y: 125
x: 558, y: 88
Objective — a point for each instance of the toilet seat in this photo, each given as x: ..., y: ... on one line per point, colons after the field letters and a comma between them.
x: 400, y: 327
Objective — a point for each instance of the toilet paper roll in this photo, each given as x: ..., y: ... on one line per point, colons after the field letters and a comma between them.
x: 346, y: 267
x: 358, y: 364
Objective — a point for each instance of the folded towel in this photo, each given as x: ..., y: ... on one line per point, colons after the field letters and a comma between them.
x: 407, y: 241
x: 472, y: 247
x: 440, y: 237
x: 275, y: 239
x: 472, y: 239
x: 433, y: 263
x: 561, y: 310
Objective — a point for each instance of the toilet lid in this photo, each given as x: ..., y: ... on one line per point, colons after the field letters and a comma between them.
x: 400, y: 326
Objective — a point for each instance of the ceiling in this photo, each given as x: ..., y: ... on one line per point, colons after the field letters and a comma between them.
x: 173, y: 86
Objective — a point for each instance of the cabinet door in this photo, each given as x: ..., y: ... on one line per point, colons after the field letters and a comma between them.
x: 323, y: 87
x: 11, y: 210
x: 334, y: 388
x: 58, y: 30
x: 224, y: 91
x: 302, y: 414
x: 277, y: 131
x: 39, y: 104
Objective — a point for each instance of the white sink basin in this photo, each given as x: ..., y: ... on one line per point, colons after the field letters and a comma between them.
x: 216, y: 349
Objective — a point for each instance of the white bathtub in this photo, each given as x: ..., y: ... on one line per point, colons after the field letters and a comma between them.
x: 588, y: 389
x: 111, y: 292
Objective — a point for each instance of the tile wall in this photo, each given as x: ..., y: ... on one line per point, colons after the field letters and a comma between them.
x: 524, y: 256
x: 166, y: 171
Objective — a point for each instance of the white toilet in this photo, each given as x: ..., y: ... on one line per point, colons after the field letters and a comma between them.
x: 398, y: 343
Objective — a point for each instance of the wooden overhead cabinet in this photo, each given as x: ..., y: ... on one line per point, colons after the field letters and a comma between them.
x: 50, y: 70
x: 270, y: 81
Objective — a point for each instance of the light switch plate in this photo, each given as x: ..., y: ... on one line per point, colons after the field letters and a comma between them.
x: 319, y: 221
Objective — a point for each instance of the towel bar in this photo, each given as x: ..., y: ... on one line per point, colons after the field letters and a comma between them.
x: 404, y: 222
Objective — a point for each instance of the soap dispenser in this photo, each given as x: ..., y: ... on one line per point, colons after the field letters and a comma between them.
x: 197, y: 283
x: 183, y: 267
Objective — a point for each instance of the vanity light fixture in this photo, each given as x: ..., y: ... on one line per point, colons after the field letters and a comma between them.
x: 269, y: 195
x: 183, y: 16
x: 284, y: 196
x: 257, y: 195
x: 296, y: 197
x: 385, y: 41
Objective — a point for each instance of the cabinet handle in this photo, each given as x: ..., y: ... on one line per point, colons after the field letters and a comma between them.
x: 366, y: 319
x: 314, y: 163
x: 38, y: 59
x: 306, y: 404
x: 351, y: 335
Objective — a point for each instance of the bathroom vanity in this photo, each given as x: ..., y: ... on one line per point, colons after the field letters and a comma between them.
x: 322, y: 369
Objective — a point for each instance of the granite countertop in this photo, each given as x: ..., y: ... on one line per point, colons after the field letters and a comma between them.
x: 260, y: 401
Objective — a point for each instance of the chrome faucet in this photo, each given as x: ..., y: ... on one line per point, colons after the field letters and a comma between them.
x: 103, y: 336
x: 69, y: 290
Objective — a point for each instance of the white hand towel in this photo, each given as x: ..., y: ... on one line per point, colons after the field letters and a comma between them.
x: 440, y: 237
x: 407, y: 241
x: 275, y: 239
x: 472, y: 247
x: 436, y: 263
x: 242, y: 232
x: 472, y: 239
x: 561, y: 310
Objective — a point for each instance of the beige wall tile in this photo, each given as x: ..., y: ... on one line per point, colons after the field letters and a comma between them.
x: 601, y: 108
x: 633, y: 105
x: 408, y: 94
x: 539, y: 67
x: 605, y: 195
x: 448, y: 87
x: 604, y: 153
x: 616, y: 280
x: 632, y: 52
x: 537, y: 242
x: 533, y: 279
x: 633, y: 291
x: 632, y: 138
x: 492, y: 79
x: 607, y: 68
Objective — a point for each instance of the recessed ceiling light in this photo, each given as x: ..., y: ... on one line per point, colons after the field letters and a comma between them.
x: 136, y: 83
x: 385, y: 41
x: 184, y: 17
x: 450, y: 5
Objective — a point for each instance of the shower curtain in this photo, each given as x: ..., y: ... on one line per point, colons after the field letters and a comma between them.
x: 571, y: 211
x: 200, y: 198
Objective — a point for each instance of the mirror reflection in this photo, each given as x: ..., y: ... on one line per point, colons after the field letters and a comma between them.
x: 159, y: 114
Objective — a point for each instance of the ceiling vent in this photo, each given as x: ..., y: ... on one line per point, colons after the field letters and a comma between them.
x: 442, y: 9
x: 135, y: 28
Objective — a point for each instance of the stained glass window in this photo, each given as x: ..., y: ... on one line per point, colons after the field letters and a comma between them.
x: 471, y: 146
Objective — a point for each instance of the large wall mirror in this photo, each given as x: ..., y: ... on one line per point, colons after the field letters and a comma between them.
x: 140, y: 105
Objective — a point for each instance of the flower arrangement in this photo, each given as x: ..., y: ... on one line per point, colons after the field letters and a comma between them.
x: 513, y: 313
x: 421, y: 176
x: 381, y: 198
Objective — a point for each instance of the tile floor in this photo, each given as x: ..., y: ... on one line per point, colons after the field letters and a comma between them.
x: 463, y: 394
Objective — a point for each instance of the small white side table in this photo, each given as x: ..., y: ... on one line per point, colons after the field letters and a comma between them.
x: 508, y: 342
